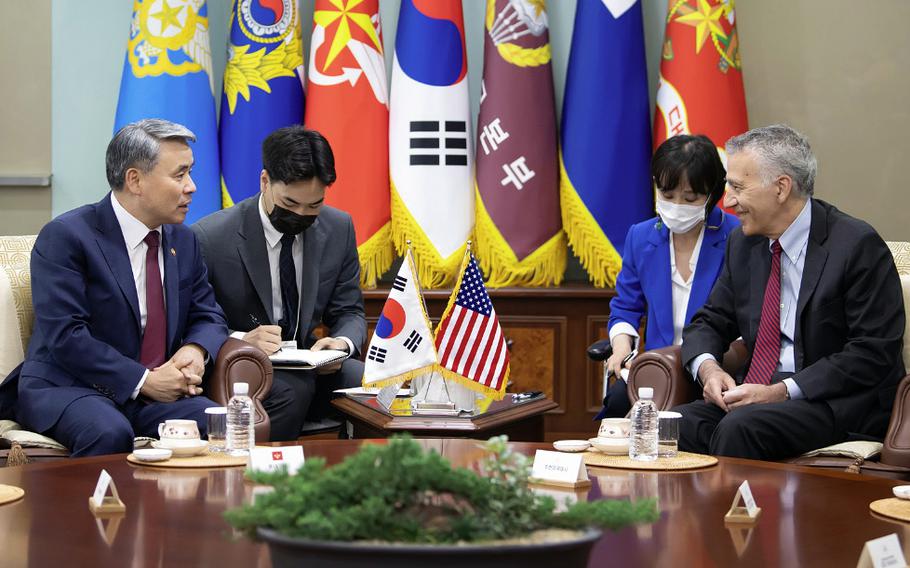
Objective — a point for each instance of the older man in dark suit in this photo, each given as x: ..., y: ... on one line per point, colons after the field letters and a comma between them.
x: 282, y: 263
x: 815, y: 295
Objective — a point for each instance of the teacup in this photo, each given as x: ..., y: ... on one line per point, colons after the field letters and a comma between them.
x: 614, y: 428
x: 179, y: 433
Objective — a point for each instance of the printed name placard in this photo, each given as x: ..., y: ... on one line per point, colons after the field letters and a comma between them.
x: 104, y: 481
x: 884, y: 552
x: 746, y: 513
x: 100, y: 502
x: 270, y: 459
x: 559, y: 468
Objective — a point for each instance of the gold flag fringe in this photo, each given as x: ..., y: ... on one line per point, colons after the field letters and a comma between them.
x: 376, y: 256
x: 226, y: 200
x: 432, y: 270
x: 545, y: 266
x: 382, y: 383
x: 598, y: 256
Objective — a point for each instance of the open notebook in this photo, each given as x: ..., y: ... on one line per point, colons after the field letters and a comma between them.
x: 304, y: 358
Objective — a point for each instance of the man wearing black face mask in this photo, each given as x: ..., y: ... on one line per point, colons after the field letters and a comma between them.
x: 281, y: 264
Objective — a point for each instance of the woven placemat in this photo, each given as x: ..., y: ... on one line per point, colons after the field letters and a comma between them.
x: 205, y: 460
x: 683, y: 460
x: 9, y: 493
x: 893, y: 508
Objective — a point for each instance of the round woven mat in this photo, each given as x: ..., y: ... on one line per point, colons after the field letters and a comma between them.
x: 206, y: 460
x: 683, y: 460
x: 893, y: 508
x: 9, y: 493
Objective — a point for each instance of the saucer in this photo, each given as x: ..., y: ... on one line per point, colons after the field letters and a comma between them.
x: 152, y: 454
x: 183, y: 451
x: 901, y: 491
x: 611, y: 446
x: 571, y: 445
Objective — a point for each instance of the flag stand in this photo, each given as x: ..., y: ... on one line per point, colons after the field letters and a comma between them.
x: 443, y: 406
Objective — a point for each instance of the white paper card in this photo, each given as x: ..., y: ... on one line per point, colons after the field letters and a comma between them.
x: 104, y: 481
x: 886, y: 552
x: 386, y: 395
x: 558, y: 466
x: 270, y: 459
x: 748, y: 500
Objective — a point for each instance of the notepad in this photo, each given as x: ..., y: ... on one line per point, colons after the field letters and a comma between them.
x: 305, y: 359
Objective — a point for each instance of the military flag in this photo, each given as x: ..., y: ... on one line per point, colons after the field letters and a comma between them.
x: 429, y: 143
x: 167, y: 74
x: 606, y: 139
x: 263, y: 89
x: 472, y: 350
x: 701, y: 80
x: 402, y: 344
x: 519, y: 230
x: 347, y: 101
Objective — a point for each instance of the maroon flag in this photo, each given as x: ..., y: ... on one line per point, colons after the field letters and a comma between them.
x: 518, y: 226
x: 469, y: 341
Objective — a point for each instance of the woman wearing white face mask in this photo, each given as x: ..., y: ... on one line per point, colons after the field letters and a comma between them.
x: 671, y: 261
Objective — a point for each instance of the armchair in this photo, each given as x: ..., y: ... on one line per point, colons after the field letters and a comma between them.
x: 662, y: 370
x: 236, y: 361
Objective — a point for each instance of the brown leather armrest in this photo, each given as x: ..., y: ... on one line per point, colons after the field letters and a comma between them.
x: 661, y: 369
x: 896, y: 450
x: 241, y: 362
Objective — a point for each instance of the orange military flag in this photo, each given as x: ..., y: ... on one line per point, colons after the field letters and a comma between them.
x: 701, y: 81
x: 347, y: 101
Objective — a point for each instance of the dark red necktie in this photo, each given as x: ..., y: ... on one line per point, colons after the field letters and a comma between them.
x: 153, y: 340
x: 766, y: 354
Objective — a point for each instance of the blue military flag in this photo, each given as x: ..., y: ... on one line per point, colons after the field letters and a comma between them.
x: 167, y: 74
x: 263, y: 89
x: 606, y: 140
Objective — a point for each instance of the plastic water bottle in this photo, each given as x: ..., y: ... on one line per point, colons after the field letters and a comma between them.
x: 643, y: 442
x: 240, y: 435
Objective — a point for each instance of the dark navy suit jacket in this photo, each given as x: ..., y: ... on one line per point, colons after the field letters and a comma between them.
x: 87, y: 336
x: 644, y: 283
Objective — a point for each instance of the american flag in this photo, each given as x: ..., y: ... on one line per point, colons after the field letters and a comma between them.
x: 469, y: 340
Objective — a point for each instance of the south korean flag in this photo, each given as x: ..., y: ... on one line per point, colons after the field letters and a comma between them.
x: 402, y: 344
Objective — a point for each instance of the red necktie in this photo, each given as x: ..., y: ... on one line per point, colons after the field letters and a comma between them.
x: 153, y: 351
x: 766, y: 354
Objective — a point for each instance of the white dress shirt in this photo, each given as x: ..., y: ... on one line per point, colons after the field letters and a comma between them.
x: 793, y: 242
x: 134, y: 233
x: 273, y: 248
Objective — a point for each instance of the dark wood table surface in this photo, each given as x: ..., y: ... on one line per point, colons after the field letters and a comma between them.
x: 519, y: 420
x: 174, y: 517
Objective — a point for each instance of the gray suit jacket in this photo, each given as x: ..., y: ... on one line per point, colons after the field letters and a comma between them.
x: 234, y: 248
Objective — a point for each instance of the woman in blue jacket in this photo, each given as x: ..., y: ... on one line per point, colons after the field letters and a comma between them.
x: 671, y: 261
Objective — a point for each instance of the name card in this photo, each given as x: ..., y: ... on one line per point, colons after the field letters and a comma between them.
x: 884, y: 552
x: 104, y: 481
x: 559, y: 468
x: 748, y: 499
x: 270, y: 459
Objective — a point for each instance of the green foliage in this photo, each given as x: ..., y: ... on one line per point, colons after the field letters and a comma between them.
x: 397, y: 492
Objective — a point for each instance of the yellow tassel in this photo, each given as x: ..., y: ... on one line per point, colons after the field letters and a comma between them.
x: 398, y: 379
x: 433, y: 270
x: 376, y: 256
x: 546, y: 266
x: 474, y: 385
x: 226, y: 200
x: 587, y: 239
x: 16, y: 456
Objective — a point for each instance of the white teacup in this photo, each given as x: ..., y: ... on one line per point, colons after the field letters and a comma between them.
x: 179, y: 433
x: 614, y: 428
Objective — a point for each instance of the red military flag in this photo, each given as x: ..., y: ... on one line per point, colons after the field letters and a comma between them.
x: 518, y: 229
x: 347, y: 101
x: 701, y: 81
x: 469, y: 342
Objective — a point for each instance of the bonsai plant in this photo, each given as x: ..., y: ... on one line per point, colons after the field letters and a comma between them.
x: 398, y: 493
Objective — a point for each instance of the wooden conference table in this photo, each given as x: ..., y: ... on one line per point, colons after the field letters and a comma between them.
x: 174, y: 517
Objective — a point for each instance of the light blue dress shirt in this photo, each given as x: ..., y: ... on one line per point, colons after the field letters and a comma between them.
x: 794, y: 242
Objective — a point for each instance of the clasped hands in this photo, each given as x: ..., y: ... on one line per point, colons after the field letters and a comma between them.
x: 268, y: 338
x: 179, y: 377
x: 721, y: 390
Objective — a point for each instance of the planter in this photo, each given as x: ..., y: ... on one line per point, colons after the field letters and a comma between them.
x: 287, y: 551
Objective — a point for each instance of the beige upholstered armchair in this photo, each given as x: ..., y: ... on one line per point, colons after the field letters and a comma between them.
x: 662, y: 370
x: 237, y: 360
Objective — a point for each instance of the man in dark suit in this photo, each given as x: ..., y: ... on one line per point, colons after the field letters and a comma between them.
x: 815, y: 295
x: 282, y: 263
x: 124, y: 316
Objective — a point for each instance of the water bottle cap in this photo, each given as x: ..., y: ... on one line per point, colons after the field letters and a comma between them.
x: 242, y: 389
x: 646, y: 392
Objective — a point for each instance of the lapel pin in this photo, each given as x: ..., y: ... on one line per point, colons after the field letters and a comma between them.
x: 173, y: 252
